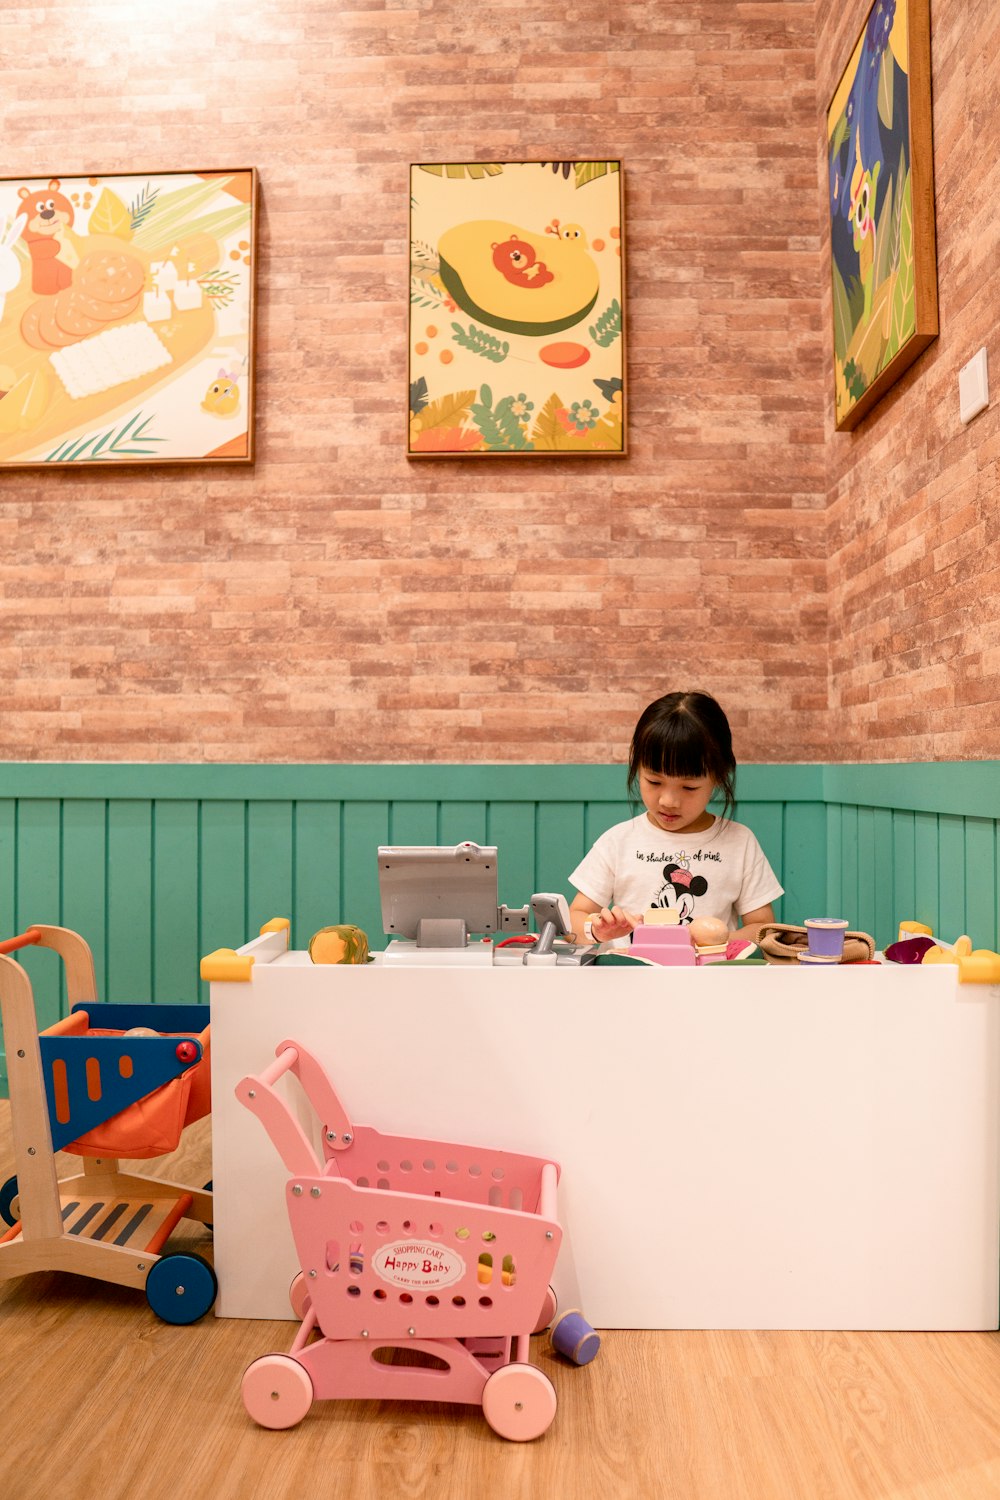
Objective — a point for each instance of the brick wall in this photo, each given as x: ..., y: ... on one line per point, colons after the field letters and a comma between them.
x: 914, y: 562
x: 338, y: 603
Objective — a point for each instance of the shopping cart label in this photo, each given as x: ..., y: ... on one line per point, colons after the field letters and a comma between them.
x: 417, y: 1263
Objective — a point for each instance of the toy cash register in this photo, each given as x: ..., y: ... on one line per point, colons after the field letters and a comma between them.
x: 440, y: 904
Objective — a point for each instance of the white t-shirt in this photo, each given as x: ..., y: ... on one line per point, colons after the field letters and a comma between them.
x: 719, y: 873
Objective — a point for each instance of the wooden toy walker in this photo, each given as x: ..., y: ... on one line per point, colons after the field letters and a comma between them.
x: 425, y: 1266
x: 88, y: 1087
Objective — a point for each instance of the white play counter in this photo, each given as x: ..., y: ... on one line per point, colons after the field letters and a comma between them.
x: 754, y: 1148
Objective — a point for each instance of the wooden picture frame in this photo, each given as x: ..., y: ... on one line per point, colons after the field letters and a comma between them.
x: 881, y: 204
x: 127, y: 318
x: 517, y: 309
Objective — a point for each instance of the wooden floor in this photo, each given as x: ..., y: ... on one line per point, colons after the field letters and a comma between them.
x: 100, y: 1399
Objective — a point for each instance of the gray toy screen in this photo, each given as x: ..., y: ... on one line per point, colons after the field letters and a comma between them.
x: 421, y: 882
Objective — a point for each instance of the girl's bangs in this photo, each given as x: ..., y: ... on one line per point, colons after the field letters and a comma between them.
x: 678, y: 754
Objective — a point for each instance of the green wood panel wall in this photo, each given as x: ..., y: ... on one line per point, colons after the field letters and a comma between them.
x: 157, y: 864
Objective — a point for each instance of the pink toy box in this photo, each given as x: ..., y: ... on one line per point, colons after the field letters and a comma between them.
x: 671, y: 946
x: 425, y: 1266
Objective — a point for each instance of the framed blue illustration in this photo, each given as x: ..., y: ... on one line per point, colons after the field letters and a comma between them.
x: 881, y: 201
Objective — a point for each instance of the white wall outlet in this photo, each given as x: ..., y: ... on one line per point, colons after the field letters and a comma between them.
x: 973, y: 387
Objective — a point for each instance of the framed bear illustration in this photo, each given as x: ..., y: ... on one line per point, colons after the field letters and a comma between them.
x: 127, y: 318
x: 517, y: 309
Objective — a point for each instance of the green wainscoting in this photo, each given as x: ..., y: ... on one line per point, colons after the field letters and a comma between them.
x: 158, y: 864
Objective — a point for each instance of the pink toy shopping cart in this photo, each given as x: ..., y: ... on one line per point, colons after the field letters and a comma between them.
x: 425, y: 1266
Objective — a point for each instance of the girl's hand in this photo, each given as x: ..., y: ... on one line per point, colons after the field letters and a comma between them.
x: 611, y: 922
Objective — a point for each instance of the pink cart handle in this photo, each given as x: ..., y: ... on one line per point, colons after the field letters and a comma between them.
x: 338, y: 1132
x: 290, y: 1140
x: 257, y: 1093
x: 287, y: 1056
x: 547, y: 1193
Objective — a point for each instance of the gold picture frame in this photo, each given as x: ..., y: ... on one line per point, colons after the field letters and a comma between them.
x: 881, y: 205
x: 517, y: 310
x: 127, y: 318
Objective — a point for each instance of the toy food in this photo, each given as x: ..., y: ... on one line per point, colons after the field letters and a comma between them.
x: 708, y: 931
x: 140, y: 1031
x: 962, y: 948
x: 936, y: 955
x: 341, y: 944
x: 909, y: 950
x: 913, y: 929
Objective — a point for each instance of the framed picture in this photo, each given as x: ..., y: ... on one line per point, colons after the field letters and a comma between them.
x: 127, y: 318
x: 881, y: 196
x: 517, y: 309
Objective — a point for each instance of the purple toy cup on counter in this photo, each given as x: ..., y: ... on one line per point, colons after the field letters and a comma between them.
x: 826, y: 936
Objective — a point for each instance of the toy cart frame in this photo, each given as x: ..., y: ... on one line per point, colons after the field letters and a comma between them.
x: 77, y: 1079
x: 426, y: 1265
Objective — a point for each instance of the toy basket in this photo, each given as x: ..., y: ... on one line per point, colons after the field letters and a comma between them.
x: 425, y: 1266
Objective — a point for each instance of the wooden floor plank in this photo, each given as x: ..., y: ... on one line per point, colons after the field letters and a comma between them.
x: 97, y: 1397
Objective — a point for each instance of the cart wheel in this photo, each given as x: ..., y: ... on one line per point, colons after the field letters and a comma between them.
x: 519, y: 1402
x: 298, y: 1296
x: 548, y: 1311
x: 277, y: 1391
x: 9, y: 1208
x: 181, y: 1288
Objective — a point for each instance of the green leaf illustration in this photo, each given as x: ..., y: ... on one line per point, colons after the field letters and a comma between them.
x: 500, y: 427
x: 903, y: 318
x: 423, y: 258
x: 481, y: 342
x: 840, y: 133
x: 590, y: 171
x: 425, y: 293
x: 110, y: 444
x: 509, y: 424
x: 143, y: 206
x: 842, y: 324
x: 174, y: 212
x: 608, y: 326
x: 447, y: 411
x: 474, y: 169
x: 548, y: 434
x: 885, y: 88
x: 886, y: 237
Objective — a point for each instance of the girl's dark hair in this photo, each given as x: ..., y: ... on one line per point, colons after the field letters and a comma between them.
x: 685, y: 734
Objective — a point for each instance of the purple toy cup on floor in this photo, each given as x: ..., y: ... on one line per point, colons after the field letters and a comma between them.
x: 572, y: 1336
x: 826, y: 936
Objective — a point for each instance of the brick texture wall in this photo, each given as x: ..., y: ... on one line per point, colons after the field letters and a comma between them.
x: 914, y: 593
x: 338, y: 602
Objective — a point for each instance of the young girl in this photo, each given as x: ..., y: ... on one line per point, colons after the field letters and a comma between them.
x: 676, y: 854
